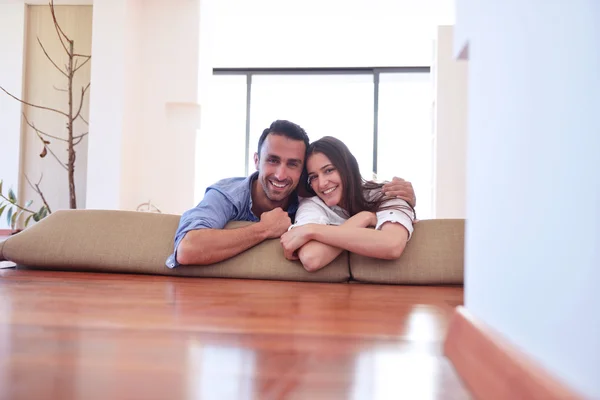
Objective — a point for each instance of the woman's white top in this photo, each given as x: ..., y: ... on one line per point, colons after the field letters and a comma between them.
x: 312, y: 210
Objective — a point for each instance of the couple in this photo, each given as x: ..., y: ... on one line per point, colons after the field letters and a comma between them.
x: 332, y: 220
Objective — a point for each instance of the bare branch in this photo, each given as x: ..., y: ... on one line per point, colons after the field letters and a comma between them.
x: 37, y: 189
x: 79, y: 138
x: 55, y: 156
x: 39, y: 131
x: 59, y: 30
x: 31, y: 184
x: 75, y: 67
x: 48, y: 57
x: 83, y: 90
x: 60, y: 90
x: 81, y: 55
x: 33, y: 105
x: 49, y: 149
x: 88, y: 59
x: 83, y: 119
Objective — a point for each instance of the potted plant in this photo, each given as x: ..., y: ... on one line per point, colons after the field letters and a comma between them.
x: 9, y: 203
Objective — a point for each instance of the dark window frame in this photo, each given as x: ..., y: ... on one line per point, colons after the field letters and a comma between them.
x: 374, y: 71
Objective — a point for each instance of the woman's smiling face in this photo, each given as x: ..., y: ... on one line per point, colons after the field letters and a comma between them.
x: 324, y: 178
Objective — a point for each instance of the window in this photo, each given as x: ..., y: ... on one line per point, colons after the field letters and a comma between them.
x: 324, y: 105
x: 405, y: 134
x: 220, y: 143
x: 387, y: 106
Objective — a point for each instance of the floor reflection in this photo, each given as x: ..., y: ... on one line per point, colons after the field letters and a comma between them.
x: 218, y: 372
x: 424, y: 323
x: 411, y: 369
x: 387, y: 374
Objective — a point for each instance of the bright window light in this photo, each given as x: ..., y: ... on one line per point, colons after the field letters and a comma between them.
x: 333, y: 104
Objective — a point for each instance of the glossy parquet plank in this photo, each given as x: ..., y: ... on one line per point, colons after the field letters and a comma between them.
x: 108, y: 336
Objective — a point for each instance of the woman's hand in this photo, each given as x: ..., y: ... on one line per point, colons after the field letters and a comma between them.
x: 370, y: 219
x: 363, y: 219
x: 295, y: 238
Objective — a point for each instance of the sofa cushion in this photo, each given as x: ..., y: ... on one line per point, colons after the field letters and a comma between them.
x: 434, y: 255
x: 136, y: 242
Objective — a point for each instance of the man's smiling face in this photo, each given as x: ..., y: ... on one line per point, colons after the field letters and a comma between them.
x: 279, y: 165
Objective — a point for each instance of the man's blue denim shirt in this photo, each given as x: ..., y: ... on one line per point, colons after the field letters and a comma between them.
x: 227, y: 200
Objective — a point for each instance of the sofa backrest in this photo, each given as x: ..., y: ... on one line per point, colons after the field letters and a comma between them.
x: 135, y: 242
x: 434, y: 255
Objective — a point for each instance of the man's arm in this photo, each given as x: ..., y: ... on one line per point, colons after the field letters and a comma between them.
x: 209, y: 246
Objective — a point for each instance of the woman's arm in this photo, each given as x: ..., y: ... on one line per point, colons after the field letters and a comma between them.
x: 315, y: 255
x: 387, y: 243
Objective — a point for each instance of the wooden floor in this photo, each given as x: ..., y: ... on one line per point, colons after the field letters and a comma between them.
x: 103, y: 336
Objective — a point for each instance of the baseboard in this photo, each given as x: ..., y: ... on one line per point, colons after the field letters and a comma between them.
x: 492, y: 368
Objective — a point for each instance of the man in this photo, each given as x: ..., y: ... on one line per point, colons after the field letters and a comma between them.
x: 267, y: 197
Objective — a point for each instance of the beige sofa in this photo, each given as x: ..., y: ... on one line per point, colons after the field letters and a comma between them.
x: 134, y: 242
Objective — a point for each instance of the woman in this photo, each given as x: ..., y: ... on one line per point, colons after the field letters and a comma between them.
x: 342, y: 206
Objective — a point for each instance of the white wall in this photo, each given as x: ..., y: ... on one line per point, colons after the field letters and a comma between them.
x: 533, y: 185
x: 333, y: 33
x: 466, y: 17
x: 145, y: 116
x: 450, y: 77
x: 12, y: 37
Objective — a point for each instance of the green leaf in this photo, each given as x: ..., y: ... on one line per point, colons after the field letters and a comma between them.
x: 9, y: 216
x: 1, y: 181
x: 36, y: 217
x: 11, y: 196
x: 44, y: 213
x: 2, y: 209
x: 28, y: 203
x: 13, y: 221
x: 27, y: 220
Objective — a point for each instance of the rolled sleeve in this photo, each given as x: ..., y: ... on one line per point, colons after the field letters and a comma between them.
x: 213, y: 212
x: 309, y: 212
x: 401, y: 214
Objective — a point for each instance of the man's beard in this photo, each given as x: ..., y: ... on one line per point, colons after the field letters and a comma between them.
x: 274, y: 194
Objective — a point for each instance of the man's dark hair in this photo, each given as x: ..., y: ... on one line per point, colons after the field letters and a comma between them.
x: 284, y: 128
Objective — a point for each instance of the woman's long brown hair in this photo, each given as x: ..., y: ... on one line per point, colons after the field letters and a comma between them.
x: 354, y: 185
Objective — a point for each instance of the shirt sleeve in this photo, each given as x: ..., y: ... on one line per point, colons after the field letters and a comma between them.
x: 401, y: 213
x: 309, y: 212
x: 213, y: 212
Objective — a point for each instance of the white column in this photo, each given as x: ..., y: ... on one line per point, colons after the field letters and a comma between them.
x: 144, y: 106
x: 107, y: 102
x: 450, y: 76
x: 12, y: 39
x: 533, y: 181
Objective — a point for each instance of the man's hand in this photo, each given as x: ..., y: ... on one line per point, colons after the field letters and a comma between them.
x: 293, y: 240
x: 402, y: 189
x: 276, y: 222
